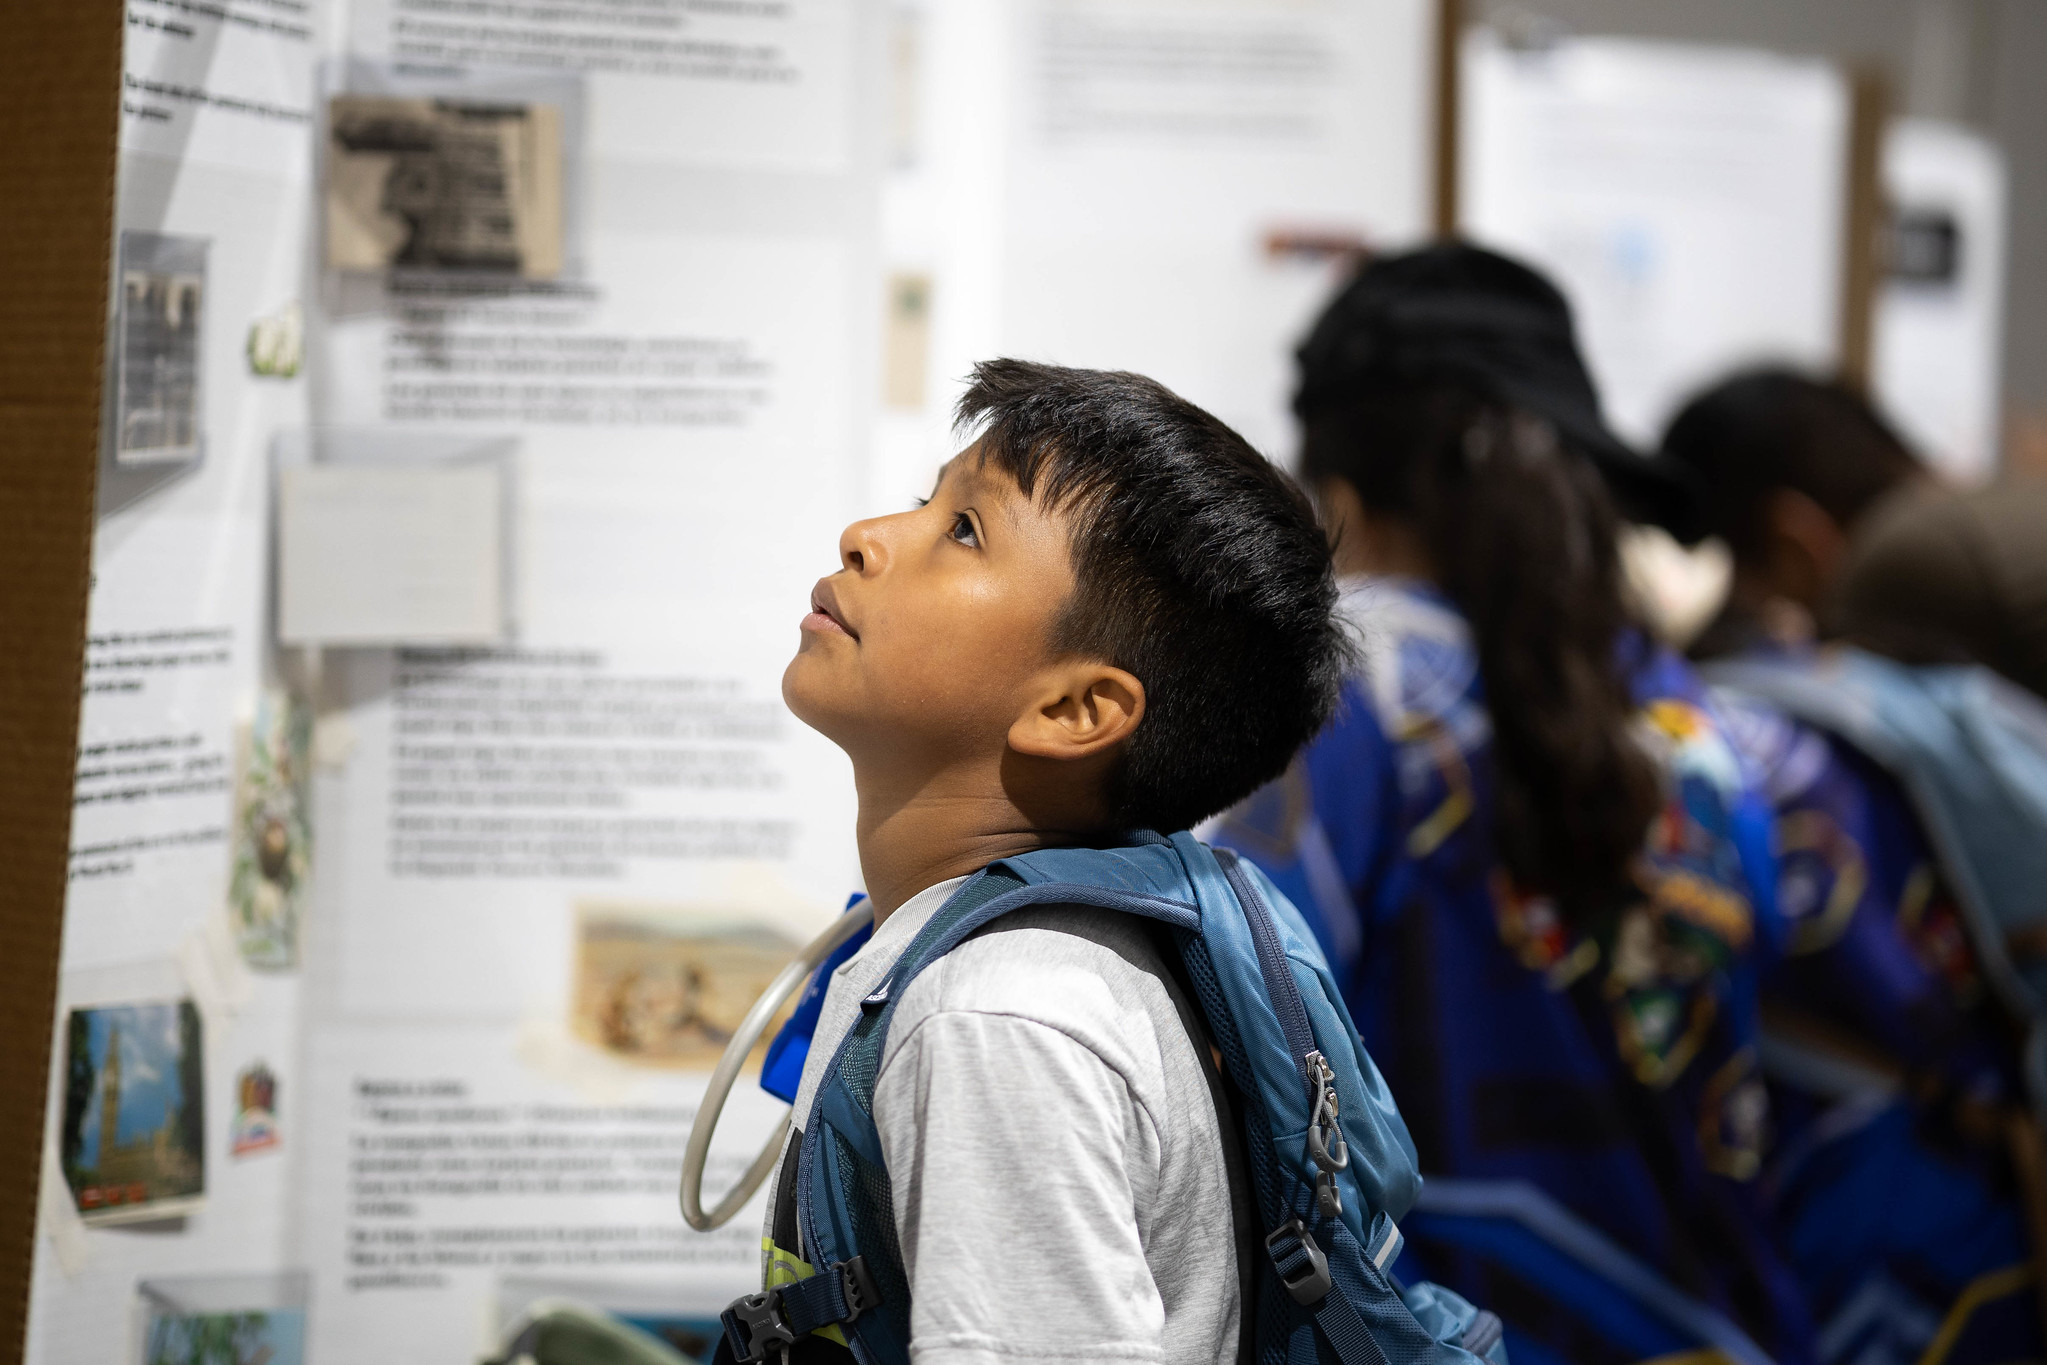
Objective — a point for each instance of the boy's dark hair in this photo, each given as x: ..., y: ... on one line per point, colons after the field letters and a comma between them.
x: 1770, y: 428
x: 1199, y: 567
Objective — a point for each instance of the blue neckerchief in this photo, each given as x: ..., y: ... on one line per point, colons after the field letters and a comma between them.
x: 782, y: 1070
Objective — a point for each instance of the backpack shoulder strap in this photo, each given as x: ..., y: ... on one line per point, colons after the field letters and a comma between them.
x: 1248, y: 1234
x: 844, y: 1202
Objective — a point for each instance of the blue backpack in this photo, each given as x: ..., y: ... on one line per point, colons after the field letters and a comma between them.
x: 1970, y: 751
x: 1327, y: 1157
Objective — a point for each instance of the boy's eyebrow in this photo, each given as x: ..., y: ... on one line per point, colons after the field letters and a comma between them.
x: 1009, y: 507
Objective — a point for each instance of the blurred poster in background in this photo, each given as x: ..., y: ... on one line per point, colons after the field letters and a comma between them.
x: 1160, y: 187
x: 1690, y: 201
x: 1940, y: 313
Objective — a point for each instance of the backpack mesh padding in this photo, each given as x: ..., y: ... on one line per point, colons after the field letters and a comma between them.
x: 870, y: 1206
x: 1275, y: 1317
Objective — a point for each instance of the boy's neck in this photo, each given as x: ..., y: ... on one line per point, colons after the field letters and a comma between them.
x: 915, y: 834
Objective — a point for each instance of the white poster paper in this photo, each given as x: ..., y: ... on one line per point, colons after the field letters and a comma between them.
x: 222, y: 82
x: 1688, y: 200
x: 457, y: 1165
x: 579, y: 853
x: 756, y: 86
x: 1159, y: 187
x: 1939, y: 327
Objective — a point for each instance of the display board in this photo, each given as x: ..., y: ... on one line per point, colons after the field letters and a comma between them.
x: 485, y: 391
x: 1689, y: 200
x: 1139, y: 184
x: 158, y: 1012
x: 1939, y: 327
x: 532, y: 362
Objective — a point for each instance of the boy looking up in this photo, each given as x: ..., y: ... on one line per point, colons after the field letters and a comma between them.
x: 1111, y: 615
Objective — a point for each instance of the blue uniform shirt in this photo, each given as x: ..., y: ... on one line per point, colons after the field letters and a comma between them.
x: 1614, y: 1067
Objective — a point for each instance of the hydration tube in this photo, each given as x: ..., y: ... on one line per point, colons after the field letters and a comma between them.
x: 790, y: 981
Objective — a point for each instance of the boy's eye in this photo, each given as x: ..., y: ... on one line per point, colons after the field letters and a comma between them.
x: 963, y: 530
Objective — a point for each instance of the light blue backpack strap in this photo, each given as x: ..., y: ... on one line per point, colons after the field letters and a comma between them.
x: 1933, y: 730
x: 1266, y: 992
x: 842, y: 1183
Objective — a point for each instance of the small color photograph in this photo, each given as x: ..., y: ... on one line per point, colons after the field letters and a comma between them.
x: 272, y: 851
x: 134, y: 1135
x: 668, y: 987
x: 254, y: 1128
x: 225, y: 1320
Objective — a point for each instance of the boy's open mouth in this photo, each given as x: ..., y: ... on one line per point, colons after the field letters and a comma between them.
x: 825, y: 616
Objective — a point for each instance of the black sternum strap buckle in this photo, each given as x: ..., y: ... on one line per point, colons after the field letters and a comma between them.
x: 754, y: 1326
x: 772, y: 1320
x: 1302, y: 1267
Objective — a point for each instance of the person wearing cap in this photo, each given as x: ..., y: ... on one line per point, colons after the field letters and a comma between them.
x: 1525, y: 841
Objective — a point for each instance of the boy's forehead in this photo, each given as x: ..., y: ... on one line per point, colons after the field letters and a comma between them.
x: 970, y: 470
x: 969, y: 474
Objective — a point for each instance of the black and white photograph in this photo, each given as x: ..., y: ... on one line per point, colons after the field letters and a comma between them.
x: 446, y: 185
x: 157, y: 364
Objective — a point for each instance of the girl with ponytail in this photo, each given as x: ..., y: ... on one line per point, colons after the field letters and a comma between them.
x: 1524, y: 841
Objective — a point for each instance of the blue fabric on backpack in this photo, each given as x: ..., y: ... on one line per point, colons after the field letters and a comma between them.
x: 1268, y: 998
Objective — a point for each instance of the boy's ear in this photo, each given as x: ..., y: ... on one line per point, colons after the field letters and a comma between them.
x: 1080, y: 710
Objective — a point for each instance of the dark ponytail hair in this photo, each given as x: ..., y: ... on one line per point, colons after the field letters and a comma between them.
x: 1523, y: 538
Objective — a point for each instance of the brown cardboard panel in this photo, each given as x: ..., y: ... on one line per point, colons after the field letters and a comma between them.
x: 1450, y: 15
x: 59, y: 113
x: 1862, y: 263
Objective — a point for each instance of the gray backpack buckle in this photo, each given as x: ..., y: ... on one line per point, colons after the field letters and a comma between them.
x: 755, y: 1326
x: 1302, y: 1267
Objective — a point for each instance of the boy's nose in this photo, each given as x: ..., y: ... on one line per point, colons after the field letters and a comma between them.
x: 860, y: 545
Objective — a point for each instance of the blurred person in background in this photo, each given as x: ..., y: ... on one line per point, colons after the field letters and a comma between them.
x: 1525, y: 842
x: 1838, y: 531
x: 1786, y: 468
x: 1897, y: 1178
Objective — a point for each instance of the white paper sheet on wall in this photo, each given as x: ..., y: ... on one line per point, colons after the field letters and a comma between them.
x: 461, y: 1158
x: 391, y: 554
x: 1688, y: 200
x: 1939, y: 326
x: 760, y: 86
x: 1149, y: 186
x: 224, y: 85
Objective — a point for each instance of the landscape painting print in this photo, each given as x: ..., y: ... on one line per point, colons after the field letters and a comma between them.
x: 225, y: 1320
x: 669, y: 987
x: 134, y: 1137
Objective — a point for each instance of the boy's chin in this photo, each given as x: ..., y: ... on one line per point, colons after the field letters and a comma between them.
x: 812, y: 698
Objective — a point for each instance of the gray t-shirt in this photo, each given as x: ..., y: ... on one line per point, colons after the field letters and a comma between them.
x: 1061, y: 1189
